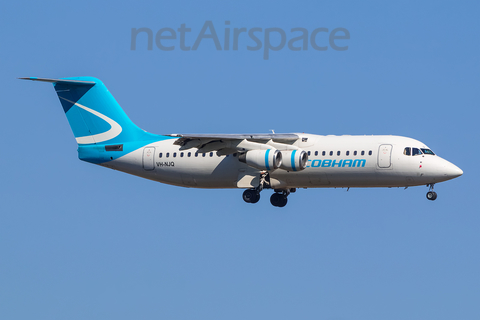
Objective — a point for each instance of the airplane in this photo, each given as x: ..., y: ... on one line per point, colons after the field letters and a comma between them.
x: 281, y: 162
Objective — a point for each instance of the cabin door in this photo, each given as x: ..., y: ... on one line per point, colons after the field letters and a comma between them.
x: 385, y: 156
x: 148, y: 155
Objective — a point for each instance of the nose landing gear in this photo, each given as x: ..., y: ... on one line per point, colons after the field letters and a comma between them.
x: 431, y: 195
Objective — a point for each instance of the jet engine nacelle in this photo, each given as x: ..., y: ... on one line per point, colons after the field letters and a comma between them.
x: 269, y: 159
x: 294, y: 160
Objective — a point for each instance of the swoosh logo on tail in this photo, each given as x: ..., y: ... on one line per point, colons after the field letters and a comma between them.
x: 114, y: 131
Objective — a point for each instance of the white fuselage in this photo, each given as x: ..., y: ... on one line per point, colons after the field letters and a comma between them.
x: 334, y: 161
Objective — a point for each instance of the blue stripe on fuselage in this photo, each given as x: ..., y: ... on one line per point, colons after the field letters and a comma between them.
x: 266, y: 159
x: 293, y: 160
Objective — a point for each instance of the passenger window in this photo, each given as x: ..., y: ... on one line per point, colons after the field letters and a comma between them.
x: 189, y: 154
x: 181, y: 154
x: 348, y: 153
x: 370, y: 152
x: 363, y: 153
x: 160, y: 155
x: 354, y: 153
x: 309, y: 153
x: 316, y: 153
x: 416, y: 152
x: 323, y: 153
x: 338, y: 153
x: 174, y: 154
x: 168, y: 154
x: 203, y: 155
x: 196, y: 154
x: 331, y: 153
x: 407, y: 151
x: 211, y: 154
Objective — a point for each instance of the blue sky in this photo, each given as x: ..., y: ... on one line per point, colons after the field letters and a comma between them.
x: 79, y: 241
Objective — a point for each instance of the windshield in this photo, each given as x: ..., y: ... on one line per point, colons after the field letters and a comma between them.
x: 416, y: 151
x: 428, y: 151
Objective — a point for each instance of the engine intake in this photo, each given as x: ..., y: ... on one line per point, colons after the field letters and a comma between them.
x: 294, y: 160
x: 269, y: 159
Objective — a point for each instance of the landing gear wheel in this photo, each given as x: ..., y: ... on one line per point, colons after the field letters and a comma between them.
x: 257, y: 197
x: 278, y: 200
x: 251, y: 196
x: 431, y: 195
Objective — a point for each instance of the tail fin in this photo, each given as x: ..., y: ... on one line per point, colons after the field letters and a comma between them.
x: 95, y: 116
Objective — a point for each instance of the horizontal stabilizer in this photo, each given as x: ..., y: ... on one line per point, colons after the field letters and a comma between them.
x: 66, y: 81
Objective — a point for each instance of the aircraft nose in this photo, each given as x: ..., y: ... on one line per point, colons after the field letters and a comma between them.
x: 452, y: 171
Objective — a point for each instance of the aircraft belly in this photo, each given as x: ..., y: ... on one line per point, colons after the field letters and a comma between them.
x: 354, y: 178
x: 299, y: 179
x: 206, y: 173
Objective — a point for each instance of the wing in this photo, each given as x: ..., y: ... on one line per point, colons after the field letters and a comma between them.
x: 230, y: 143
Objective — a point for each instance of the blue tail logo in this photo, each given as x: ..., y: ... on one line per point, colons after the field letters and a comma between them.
x: 115, y: 128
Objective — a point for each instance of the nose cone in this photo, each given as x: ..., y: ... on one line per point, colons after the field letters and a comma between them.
x: 452, y: 171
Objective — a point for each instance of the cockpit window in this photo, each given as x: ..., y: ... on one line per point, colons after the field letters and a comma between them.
x: 416, y: 152
x: 428, y: 151
x: 407, y: 151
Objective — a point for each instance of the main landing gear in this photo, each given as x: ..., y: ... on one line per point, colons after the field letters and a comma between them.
x: 278, y: 199
x: 431, y: 195
x: 251, y: 196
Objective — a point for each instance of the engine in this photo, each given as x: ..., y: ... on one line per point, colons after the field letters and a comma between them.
x: 294, y: 160
x: 269, y: 159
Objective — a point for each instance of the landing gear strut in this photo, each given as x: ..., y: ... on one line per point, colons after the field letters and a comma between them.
x: 431, y: 195
x: 253, y: 195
